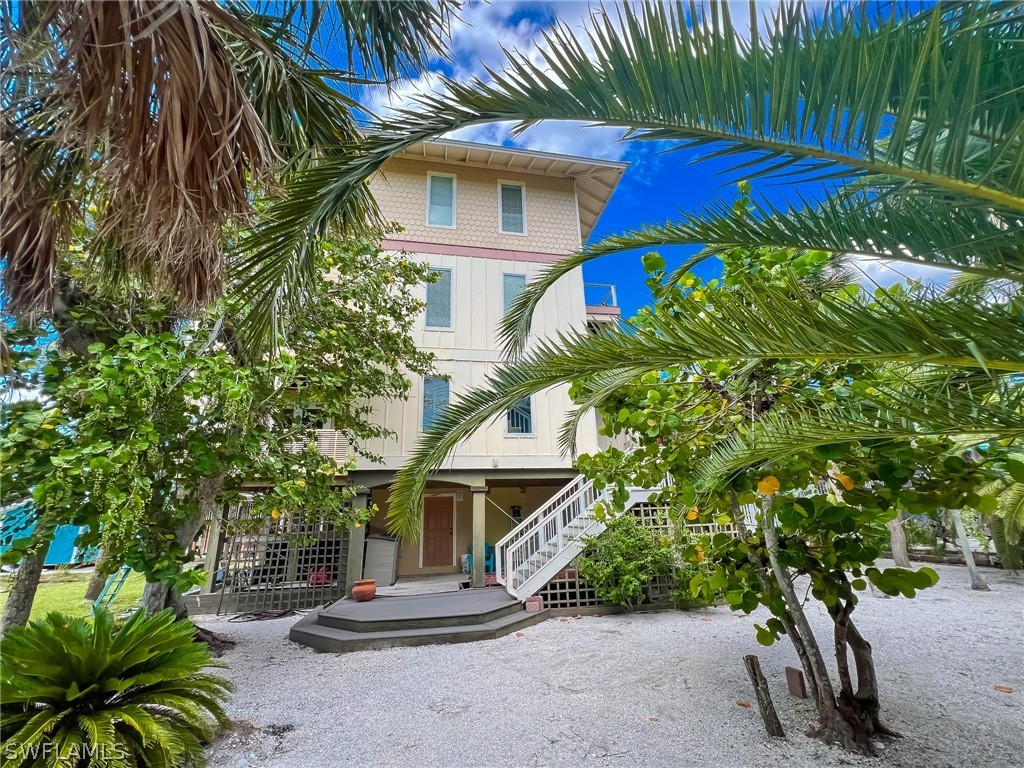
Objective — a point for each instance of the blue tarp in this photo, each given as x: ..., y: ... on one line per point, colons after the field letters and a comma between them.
x: 18, y: 522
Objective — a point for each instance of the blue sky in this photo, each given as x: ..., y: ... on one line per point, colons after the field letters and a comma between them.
x: 658, y: 185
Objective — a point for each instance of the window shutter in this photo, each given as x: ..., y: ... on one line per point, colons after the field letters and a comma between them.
x: 512, y: 208
x: 439, y: 300
x: 441, y: 195
x: 435, y: 399
x: 520, y: 418
x: 512, y: 286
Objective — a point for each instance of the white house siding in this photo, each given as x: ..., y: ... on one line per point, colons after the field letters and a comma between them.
x: 470, y: 350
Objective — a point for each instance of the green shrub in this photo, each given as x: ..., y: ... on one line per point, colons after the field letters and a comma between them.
x: 623, y: 560
x: 682, y: 594
x: 78, y: 693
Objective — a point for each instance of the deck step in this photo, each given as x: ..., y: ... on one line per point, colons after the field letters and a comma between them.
x: 451, y: 615
x: 308, y: 631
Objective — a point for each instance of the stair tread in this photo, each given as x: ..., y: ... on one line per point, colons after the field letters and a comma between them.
x: 307, y: 630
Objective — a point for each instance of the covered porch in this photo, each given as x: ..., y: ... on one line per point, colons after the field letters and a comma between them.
x: 464, y: 516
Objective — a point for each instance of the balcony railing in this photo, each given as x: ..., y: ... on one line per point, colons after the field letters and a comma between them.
x: 599, y: 295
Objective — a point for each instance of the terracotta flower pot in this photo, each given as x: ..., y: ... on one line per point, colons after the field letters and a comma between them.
x: 363, y: 590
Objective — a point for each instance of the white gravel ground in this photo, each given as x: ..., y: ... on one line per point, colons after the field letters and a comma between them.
x: 648, y: 690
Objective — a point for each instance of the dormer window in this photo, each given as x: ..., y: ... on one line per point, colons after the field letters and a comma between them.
x: 511, y: 208
x: 441, y: 200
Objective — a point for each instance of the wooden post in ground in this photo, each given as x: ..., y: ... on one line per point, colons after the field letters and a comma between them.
x: 764, y: 697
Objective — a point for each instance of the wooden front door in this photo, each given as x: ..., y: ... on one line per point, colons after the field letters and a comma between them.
x: 438, y: 530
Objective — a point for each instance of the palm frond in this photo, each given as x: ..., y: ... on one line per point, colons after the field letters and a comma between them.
x: 1011, y: 512
x: 771, y: 323
x: 380, y: 38
x: 947, y: 231
x: 1009, y: 553
x: 899, y: 413
x: 70, y: 684
x: 817, y: 93
x: 147, y: 95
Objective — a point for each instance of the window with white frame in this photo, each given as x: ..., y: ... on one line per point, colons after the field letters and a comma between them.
x: 511, y: 208
x: 512, y: 286
x: 519, y: 420
x: 439, y: 300
x: 435, y: 399
x: 441, y: 200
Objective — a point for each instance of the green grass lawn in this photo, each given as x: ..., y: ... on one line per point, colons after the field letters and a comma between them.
x: 62, y: 589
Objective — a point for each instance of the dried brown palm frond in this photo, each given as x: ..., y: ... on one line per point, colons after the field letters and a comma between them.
x: 30, y: 234
x: 145, y: 92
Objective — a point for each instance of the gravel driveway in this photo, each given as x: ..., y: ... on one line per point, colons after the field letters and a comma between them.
x: 648, y: 690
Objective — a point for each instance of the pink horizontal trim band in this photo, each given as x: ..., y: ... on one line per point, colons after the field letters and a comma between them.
x: 471, y: 250
x: 600, y: 309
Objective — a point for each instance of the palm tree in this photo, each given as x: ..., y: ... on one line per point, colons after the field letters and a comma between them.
x: 149, y: 130
x: 157, y: 124
x: 921, y: 114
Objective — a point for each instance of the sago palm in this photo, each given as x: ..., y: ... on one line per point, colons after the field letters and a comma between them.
x: 913, y: 121
x: 158, y: 123
x: 80, y: 693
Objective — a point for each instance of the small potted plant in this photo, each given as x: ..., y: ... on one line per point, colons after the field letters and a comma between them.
x: 364, y: 589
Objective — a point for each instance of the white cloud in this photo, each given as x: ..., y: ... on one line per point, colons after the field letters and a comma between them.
x: 880, y: 272
x: 479, y: 38
x: 478, y: 41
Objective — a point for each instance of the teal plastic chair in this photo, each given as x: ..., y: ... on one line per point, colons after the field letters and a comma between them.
x: 488, y: 559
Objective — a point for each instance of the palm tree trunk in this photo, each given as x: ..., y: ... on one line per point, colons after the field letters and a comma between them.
x: 23, y: 589
x: 957, y: 523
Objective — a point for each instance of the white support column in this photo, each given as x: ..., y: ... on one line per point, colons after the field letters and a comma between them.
x: 356, y: 540
x: 479, y: 533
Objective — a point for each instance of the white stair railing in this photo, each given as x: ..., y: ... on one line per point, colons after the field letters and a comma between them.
x: 548, y: 540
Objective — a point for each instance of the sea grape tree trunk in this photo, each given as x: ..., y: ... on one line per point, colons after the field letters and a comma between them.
x: 763, y: 569
x: 98, y: 579
x: 851, y: 719
x: 957, y: 524
x: 23, y: 589
x: 157, y: 596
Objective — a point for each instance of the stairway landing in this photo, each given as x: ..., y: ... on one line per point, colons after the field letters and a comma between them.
x: 385, y: 622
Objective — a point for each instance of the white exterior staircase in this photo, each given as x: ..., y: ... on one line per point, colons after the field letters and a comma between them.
x: 548, y: 540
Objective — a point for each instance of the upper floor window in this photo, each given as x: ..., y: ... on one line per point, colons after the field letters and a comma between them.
x: 435, y: 399
x: 441, y: 200
x: 512, y: 286
x: 511, y: 208
x: 439, y: 300
x: 520, y: 418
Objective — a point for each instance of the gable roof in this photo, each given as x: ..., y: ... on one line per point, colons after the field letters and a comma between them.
x: 596, y: 179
